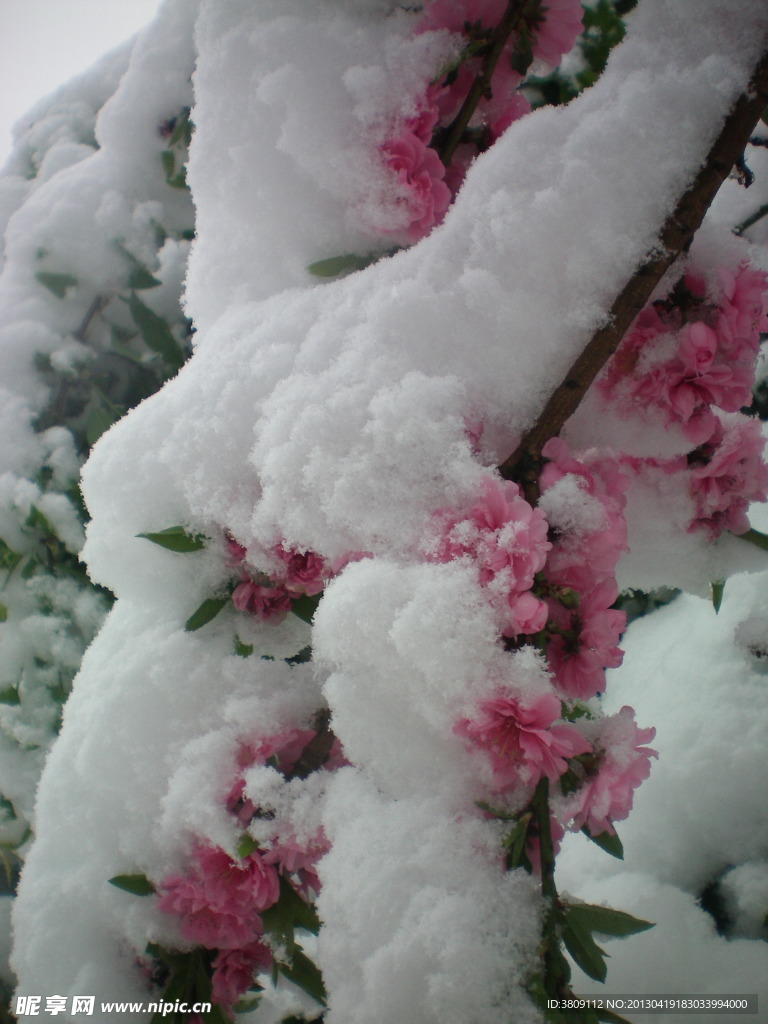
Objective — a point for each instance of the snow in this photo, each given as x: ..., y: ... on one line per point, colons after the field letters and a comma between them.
x: 334, y: 416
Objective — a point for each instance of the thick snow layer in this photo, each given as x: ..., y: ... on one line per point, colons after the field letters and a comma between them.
x: 700, y: 677
x: 333, y: 416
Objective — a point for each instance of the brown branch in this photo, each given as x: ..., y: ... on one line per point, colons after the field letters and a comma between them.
x: 524, y: 464
x: 481, y: 86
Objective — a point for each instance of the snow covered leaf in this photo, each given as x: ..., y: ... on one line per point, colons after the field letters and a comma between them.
x: 56, y: 283
x: 336, y: 265
x: 176, y: 538
x: 610, y: 843
x: 155, y: 332
x: 137, y: 885
x: 207, y: 611
x: 606, y: 921
x: 302, y: 972
x: 583, y: 948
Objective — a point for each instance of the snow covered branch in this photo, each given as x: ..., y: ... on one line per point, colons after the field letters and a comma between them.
x: 524, y: 464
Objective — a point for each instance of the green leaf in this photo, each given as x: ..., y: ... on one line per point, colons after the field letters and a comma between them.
x: 610, y: 843
x: 242, y: 650
x: 139, y: 277
x: 207, y: 611
x: 182, y: 131
x: 102, y: 415
x: 718, y: 589
x: 245, y: 846
x: 584, y: 950
x: 760, y: 540
x: 155, y: 332
x: 7, y: 809
x: 137, y: 885
x: 37, y: 521
x: 10, y: 695
x: 345, y: 264
x: 606, y: 921
x: 56, y: 283
x: 168, y: 160
x: 514, y: 842
x: 176, y: 538
x: 290, y: 912
x: 304, y: 973
x: 3, y: 612
x: 306, y: 606
x: 9, y: 558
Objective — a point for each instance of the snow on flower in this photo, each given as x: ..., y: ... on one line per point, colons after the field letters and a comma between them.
x: 726, y: 475
x: 219, y: 900
x: 692, y: 352
x: 234, y: 970
x: 622, y: 763
x: 421, y: 195
x: 507, y: 538
x: 521, y: 739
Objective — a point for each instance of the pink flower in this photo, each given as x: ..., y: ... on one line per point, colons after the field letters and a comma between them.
x: 271, y: 604
x: 234, y: 971
x: 584, y: 641
x: 304, y: 572
x: 555, y: 28
x: 743, y: 308
x: 521, y: 740
x: 727, y: 475
x: 507, y: 538
x: 422, y: 195
x: 219, y: 900
x: 292, y: 857
x: 623, y: 763
x: 585, y: 553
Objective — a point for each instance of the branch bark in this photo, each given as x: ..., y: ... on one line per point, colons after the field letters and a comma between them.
x: 524, y: 464
x: 510, y: 22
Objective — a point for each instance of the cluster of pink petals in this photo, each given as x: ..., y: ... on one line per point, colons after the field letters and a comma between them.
x: 234, y: 971
x: 507, y: 539
x: 422, y: 196
x: 712, y: 366
x: 266, y: 602
x: 299, y: 859
x: 584, y: 628
x: 219, y: 900
x: 726, y: 475
x: 588, y: 641
x: 270, y: 596
x: 521, y: 739
x: 623, y: 762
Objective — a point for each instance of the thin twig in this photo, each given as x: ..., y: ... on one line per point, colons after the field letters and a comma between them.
x: 482, y: 83
x: 524, y: 463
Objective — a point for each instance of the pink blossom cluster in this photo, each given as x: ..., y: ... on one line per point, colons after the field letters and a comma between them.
x: 270, y: 596
x: 620, y: 763
x: 692, y: 353
x: 524, y: 739
x: 583, y: 627
x: 422, y: 195
x: 507, y: 540
x: 424, y: 186
x: 692, y: 356
x: 726, y: 475
x: 219, y: 901
x: 218, y: 904
x: 521, y: 740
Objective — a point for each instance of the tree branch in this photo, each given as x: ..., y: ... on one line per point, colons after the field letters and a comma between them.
x: 524, y: 464
x: 481, y: 86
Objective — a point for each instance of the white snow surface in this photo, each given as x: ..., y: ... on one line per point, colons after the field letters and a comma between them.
x: 332, y: 416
